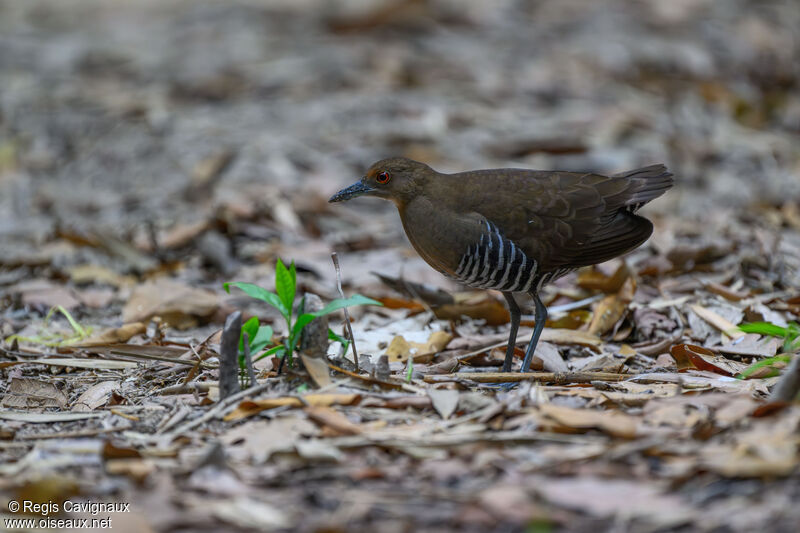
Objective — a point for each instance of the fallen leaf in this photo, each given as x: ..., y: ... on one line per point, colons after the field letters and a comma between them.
x: 718, y: 321
x: 29, y: 393
x: 615, y: 423
x: 95, y: 396
x: 248, y: 513
x: 318, y: 369
x: 605, y: 497
x: 251, y: 407
x: 491, y: 310
x: 178, y: 304
x: 688, y: 356
x: 333, y: 420
x: 46, y: 294
x: 400, y: 350
x: 262, y: 438
x: 594, y: 279
x: 445, y: 401
x: 551, y: 360
x: 612, y: 309
x: 121, y: 334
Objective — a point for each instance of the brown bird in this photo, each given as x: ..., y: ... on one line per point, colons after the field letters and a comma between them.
x: 514, y: 230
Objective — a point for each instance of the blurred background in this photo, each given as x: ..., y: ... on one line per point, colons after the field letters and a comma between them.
x: 139, y: 134
x: 152, y: 149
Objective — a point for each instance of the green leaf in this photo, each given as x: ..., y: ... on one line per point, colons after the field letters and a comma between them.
x: 764, y: 328
x: 262, y: 294
x: 764, y: 362
x: 302, y: 321
x: 262, y: 338
x: 72, y: 322
x: 251, y: 328
x: 279, y: 351
x: 410, y: 370
x: 285, y: 283
x: 333, y: 336
x: 339, y: 303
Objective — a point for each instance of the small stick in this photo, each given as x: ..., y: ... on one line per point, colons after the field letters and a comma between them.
x: 347, y: 326
x: 248, y: 361
x: 511, y: 377
x: 229, y: 356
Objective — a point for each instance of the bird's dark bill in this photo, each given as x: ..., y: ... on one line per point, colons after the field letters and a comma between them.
x: 356, y: 189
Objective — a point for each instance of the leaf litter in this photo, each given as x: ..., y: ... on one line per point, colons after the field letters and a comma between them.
x: 651, y: 402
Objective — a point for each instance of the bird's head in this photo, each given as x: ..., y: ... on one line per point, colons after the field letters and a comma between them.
x: 397, y: 179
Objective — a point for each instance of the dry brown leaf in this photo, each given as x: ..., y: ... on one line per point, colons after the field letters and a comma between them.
x: 121, y: 334
x: 262, y: 438
x: 609, y: 497
x: 251, y: 407
x: 332, y: 420
x: 178, y: 304
x: 95, y: 396
x: 612, y: 309
x: 318, y: 369
x: 492, y: 310
x: 29, y: 393
x: 725, y: 292
x: 569, y: 336
x: 689, y: 356
x: 768, y: 448
x: 595, y: 279
x: 615, y: 423
x: 400, y: 349
x: 44, y: 293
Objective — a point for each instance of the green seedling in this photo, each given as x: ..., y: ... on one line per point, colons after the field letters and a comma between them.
x: 755, y: 367
x: 46, y: 338
x: 790, y: 333
x: 283, y: 300
x: 791, y: 344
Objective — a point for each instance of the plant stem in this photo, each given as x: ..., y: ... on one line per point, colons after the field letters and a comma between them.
x: 347, y: 326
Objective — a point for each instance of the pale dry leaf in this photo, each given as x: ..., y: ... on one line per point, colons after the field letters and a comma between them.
x: 29, y: 393
x: 318, y: 369
x: 605, y: 497
x: 718, y: 321
x: 445, y: 401
x: 550, y: 358
x: 614, y: 423
x: 249, y: 513
x: 177, y: 304
x: 333, y: 420
x: 260, y: 439
x: 95, y: 396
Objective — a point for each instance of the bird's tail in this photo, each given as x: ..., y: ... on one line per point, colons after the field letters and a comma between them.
x: 647, y: 183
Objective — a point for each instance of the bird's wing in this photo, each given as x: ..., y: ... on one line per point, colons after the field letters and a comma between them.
x: 567, y: 219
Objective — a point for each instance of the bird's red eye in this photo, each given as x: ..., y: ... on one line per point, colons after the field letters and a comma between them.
x: 382, y: 177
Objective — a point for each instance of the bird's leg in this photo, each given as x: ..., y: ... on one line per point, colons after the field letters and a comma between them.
x: 541, y: 318
x: 513, y: 310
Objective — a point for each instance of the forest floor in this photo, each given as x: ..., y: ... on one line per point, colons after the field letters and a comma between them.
x: 151, y: 151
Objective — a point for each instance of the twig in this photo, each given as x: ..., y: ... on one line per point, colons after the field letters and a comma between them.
x: 221, y: 406
x: 347, y: 326
x: 248, y: 361
x: 368, y: 379
x: 182, y: 388
x: 512, y: 377
x: 229, y: 355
